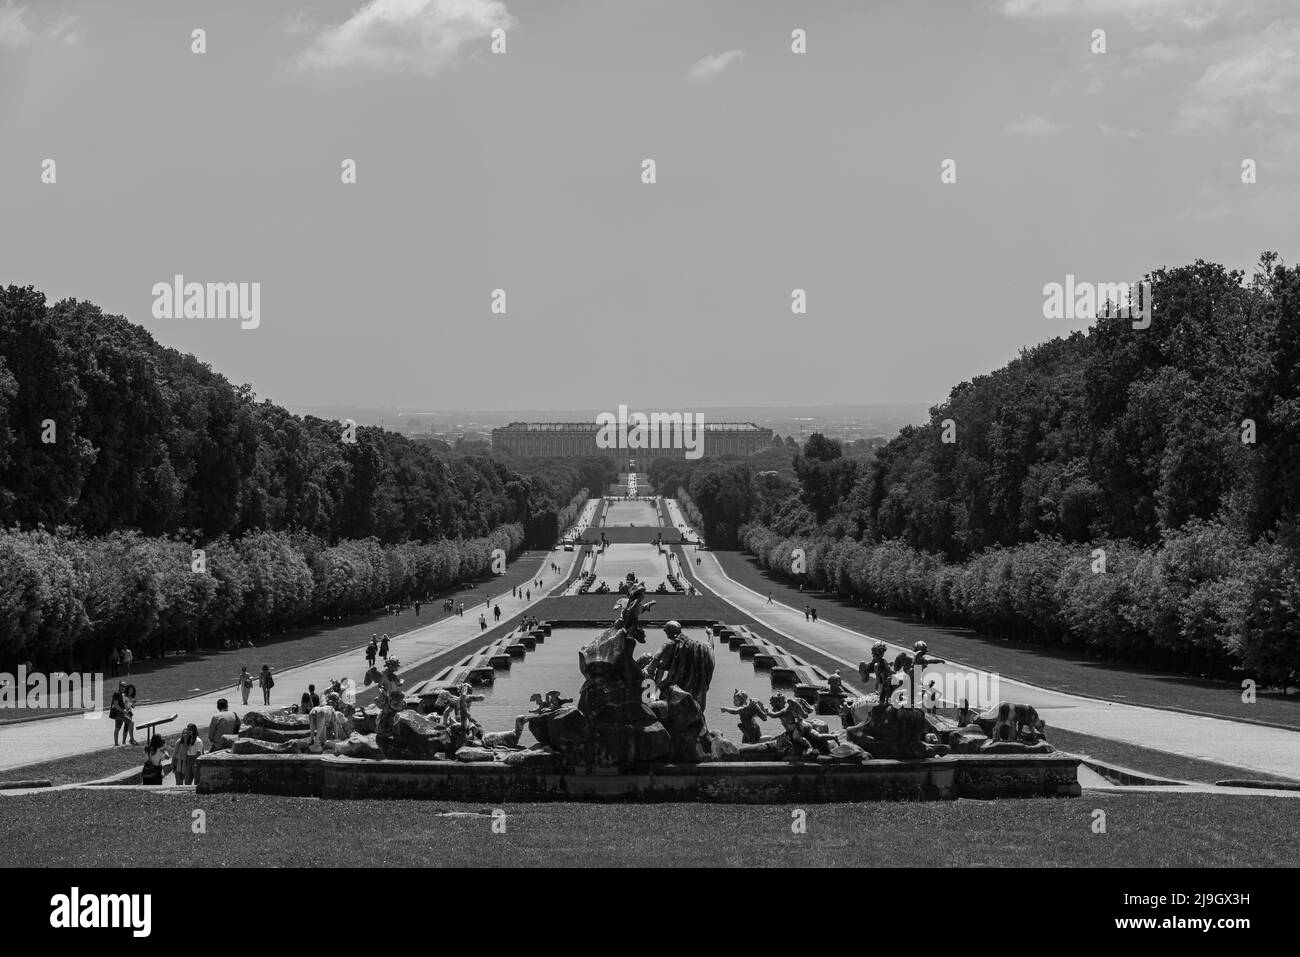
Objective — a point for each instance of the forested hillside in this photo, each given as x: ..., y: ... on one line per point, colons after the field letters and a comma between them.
x: 119, y: 457
x: 1131, y: 491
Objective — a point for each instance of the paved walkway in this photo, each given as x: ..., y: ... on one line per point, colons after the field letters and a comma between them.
x: 1257, y: 748
x: 51, y: 738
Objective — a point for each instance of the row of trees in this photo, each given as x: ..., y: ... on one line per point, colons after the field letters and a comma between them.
x: 1204, y: 600
x: 65, y: 599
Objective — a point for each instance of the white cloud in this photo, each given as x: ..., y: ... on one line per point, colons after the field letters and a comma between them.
x: 1143, y: 14
x: 1254, y: 83
x: 297, y: 24
x: 13, y: 30
x: 1031, y: 124
x: 418, y: 35
x: 1159, y: 52
x: 715, y: 63
x: 1108, y: 130
x: 68, y: 30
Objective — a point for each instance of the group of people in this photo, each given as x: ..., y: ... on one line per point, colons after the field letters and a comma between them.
x: 378, y: 647
x: 264, y: 680
x: 121, y: 709
x: 188, y: 749
x: 119, y: 660
x: 451, y: 606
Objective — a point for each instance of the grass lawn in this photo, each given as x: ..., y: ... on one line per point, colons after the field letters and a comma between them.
x: 1044, y: 667
x: 93, y: 828
x: 209, y: 672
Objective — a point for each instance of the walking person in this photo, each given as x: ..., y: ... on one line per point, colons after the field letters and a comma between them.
x: 497, y: 612
x: 155, y: 756
x: 267, y: 683
x: 813, y: 609
x: 806, y: 615
x: 372, y: 650
x: 417, y: 608
x: 115, y: 660
x: 482, y: 623
x: 127, y: 658
x: 244, y: 683
x: 383, y: 647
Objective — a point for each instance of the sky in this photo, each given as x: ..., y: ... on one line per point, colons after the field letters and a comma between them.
x: 522, y: 171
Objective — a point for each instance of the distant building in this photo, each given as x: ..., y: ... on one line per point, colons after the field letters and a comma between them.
x: 565, y: 439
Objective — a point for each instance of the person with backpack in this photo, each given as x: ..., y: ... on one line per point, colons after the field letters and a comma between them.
x: 155, y: 756
x: 267, y: 683
x: 224, y: 722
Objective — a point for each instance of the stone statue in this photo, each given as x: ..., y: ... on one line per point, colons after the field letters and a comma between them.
x: 551, y: 701
x: 793, y: 715
x: 683, y: 662
x: 879, y: 669
x: 750, y: 713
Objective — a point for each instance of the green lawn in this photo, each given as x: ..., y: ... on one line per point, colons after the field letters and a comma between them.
x: 93, y: 828
x: 1029, y: 663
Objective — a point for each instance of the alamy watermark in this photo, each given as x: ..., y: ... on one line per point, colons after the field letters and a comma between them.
x: 1082, y: 300
x: 37, y: 691
x: 179, y: 299
x: 658, y: 430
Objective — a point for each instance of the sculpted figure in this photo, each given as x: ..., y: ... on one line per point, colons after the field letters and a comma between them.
x: 750, y: 713
x: 878, y: 669
x: 793, y: 715
x: 683, y: 662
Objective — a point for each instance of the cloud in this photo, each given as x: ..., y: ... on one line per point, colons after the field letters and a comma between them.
x: 67, y: 30
x: 1159, y: 52
x: 1031, y: 124
x: 422, y: 36
x: 297, y: 24
x: 1108, y: 130
x: 13, y: 31
x: 715, y: 63
x: 1253, y: 84
x: 1142, y: 14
